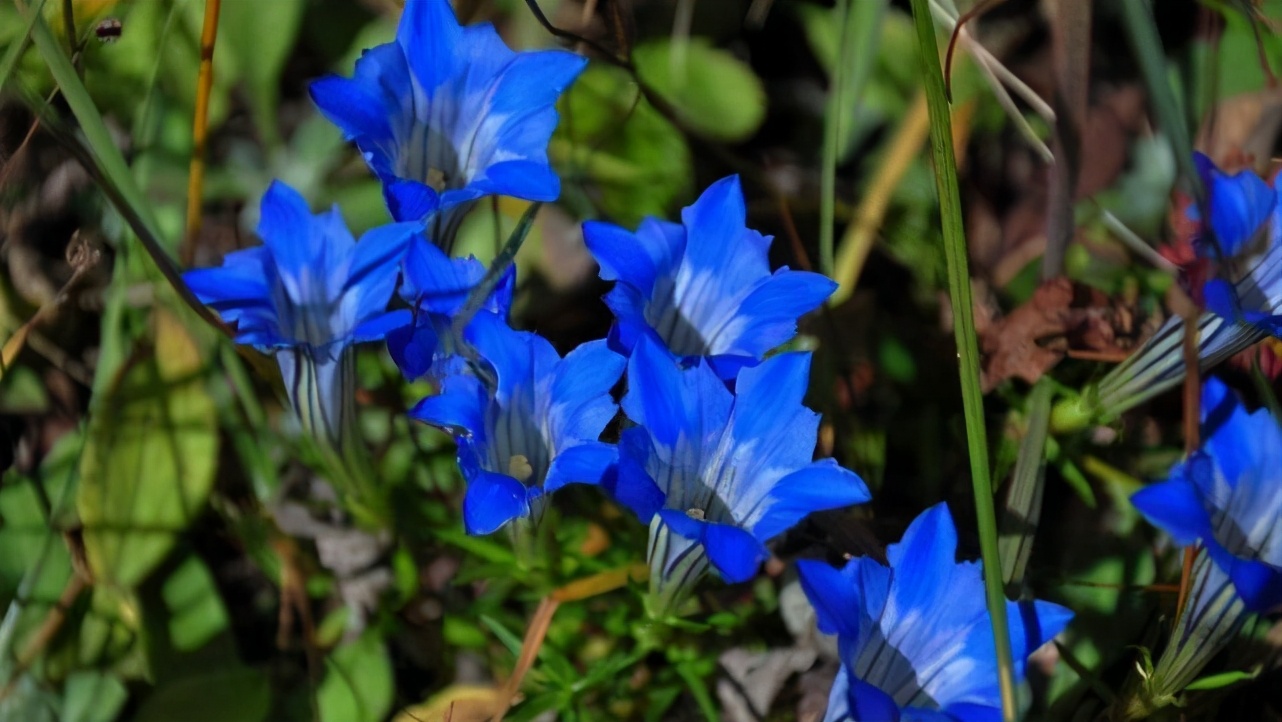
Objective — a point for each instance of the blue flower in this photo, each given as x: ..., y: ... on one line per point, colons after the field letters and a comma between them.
x: 535, y: 430
x: 309, y: 291
x: 447, y: 114
x: 718, y: 474
x: 436, y: 288
x: 1238, y: 205
x: 702, y: 288
x: 1228, y: 497
x: 1245, y: 218
x: 915, y: 637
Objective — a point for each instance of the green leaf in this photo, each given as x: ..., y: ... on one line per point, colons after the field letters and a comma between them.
x: 506, y: 637
x: 1223, y: 679
x: 358, y: 682
x: 637, y: 163
x: 242, y: 694
x: 92, y: 696
x: 713, y: 93
x: 149, y: 462
x: 26, y: 701
x: 196, y: 612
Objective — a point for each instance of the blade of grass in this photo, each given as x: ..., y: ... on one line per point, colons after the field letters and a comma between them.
x: 861, y: 232
x: 954, y: 234
x: 860, y: 28
x: 493, y: 275
x: 19, y: 46
x: 1024, y: 501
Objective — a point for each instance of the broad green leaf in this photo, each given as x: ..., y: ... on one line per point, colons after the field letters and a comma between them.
x: 713, y: 93
x: 149, y: 462
x: 92, y: 696
x: 196, y: 610
x: 358, y: 682
x: 243, y: 695
x: 615, y: 151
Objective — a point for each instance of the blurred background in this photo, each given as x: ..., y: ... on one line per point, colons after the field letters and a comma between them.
x: 222, y: 585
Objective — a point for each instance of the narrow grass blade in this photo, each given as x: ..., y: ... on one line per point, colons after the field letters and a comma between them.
x: 954, y: 232
x: 1147, y: 45
x: 506, y: 257
x: 1024, y: 499
x: 860, y: 234
x: 19, y: 46
x: 860, y: 28
x: 1071, y: 43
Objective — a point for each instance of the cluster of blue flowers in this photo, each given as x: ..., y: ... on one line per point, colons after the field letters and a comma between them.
x: 716, y: 448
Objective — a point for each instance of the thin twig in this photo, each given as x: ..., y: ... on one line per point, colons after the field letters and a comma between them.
x: 534, y: 637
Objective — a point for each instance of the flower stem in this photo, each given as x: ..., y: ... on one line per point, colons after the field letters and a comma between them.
x: 322, y: 391
x: 967, y: 345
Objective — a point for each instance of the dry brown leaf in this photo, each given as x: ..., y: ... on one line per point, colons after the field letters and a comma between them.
x: 1060, y: 316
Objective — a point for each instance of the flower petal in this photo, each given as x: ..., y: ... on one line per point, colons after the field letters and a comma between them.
x: 460, y: 407
x: 834, y: 593
x: 1238, y: 204
x: 580, y: 393
x: 768, y: 316
x: 630, y: 484
x: 492, y: 500
x: 1174, y: 507
x: 582, y: 464
x: 430, y: 37
x: 822, y: 485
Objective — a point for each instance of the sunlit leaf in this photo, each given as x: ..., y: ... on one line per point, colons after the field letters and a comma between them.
x: 149, y: 463
x: 358, y: 682
x: 714, y: 93
x: 92, y: 696
x: 615, y: 150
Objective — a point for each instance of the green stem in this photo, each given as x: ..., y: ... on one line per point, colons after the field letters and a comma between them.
x: 941, y: 144
x: 831, y: 144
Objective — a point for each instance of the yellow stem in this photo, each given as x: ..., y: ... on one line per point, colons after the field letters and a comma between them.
x: 200, y: 129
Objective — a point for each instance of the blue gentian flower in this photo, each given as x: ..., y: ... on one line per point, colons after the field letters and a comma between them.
x: 307, y: 294
x: 1246, y: 220
x: 447, y: 114
x: 1228, y: 496
x: 915, y: 637
x: 1238, y: 277
x: 534, y: 430
x: 1237, y: 205
x: 717, y: 474
x: 702, y: 288
x: 436, y: 287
